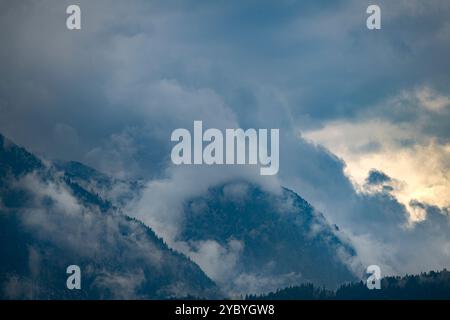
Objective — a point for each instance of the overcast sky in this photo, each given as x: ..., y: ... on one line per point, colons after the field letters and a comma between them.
x: 346, y: 99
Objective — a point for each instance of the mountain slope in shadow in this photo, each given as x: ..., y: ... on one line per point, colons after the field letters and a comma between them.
x: 278, y: 239
x: 49, y: 221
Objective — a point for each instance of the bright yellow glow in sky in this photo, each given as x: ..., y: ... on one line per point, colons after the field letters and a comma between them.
x: 420, y: 165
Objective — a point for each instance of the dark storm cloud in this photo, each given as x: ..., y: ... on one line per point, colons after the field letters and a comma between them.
x: 310, y: 61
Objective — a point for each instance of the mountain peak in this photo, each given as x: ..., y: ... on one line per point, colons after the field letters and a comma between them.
x: 282, y: 239
x: 49, y: 221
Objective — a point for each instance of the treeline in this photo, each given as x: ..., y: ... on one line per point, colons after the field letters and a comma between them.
x: 430, y: 285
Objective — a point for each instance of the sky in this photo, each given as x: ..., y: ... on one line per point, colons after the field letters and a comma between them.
x: 363, y: 115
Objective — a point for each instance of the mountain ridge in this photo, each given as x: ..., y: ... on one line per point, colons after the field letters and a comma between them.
x: 272, y: 240
x: 276, y: 239
x: 432, y: 285
x: 48, y: 222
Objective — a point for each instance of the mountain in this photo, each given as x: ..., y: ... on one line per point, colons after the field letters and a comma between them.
x: 425, y: 286
x: 50, y: 218
x: 237, y: 237
x: 277, y: 239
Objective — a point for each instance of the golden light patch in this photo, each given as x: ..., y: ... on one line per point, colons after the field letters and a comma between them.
x: 420, y: 166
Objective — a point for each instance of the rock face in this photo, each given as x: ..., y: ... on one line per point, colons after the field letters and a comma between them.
x: 49, y: 220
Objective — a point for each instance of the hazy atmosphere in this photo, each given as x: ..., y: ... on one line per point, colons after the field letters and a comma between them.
x: 363, y: 119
